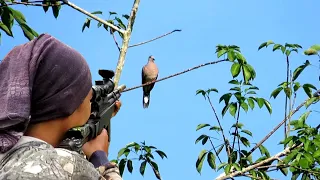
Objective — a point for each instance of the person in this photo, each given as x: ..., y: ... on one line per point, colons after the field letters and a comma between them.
x: 45, y: 89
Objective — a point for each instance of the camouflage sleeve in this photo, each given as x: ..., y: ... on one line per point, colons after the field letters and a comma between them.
x: 42, y: 161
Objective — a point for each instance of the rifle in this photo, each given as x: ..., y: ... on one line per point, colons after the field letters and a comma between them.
x: 102, y: 107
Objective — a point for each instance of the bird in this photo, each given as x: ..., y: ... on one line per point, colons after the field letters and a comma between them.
x: 149, y: 73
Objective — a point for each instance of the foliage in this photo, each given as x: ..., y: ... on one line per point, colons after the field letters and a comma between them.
x: 301, y: 155
x: 142, y: 153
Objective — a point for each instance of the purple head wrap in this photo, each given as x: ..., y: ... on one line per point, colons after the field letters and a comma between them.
x: 40, y: 80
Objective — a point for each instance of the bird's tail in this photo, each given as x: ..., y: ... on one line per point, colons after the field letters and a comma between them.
x: 146, y: 100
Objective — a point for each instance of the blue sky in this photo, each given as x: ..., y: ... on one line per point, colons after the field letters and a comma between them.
x: 174, y: 112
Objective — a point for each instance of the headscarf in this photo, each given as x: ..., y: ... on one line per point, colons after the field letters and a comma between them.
x: 40, y: 80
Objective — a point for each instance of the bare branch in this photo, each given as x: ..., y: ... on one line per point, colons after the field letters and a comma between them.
x: 93, y: 16
x: 173, y: 75
x: 125, y: 42
x: 145, y: 42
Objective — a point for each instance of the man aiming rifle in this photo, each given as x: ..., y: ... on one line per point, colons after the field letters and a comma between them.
x: 45, y: 93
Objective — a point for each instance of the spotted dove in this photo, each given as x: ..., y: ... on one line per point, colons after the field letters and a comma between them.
x: 149, y: 73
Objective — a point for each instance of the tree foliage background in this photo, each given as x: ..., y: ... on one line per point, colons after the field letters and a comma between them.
x: 268, y: 70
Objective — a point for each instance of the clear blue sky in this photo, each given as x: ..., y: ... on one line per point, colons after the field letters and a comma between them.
x: 174, y: 112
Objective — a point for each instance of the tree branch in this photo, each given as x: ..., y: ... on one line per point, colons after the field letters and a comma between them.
x: 32, y: 3
x: 173, y: 75
x: 125, y: 42
x: 227, y: 146
x: 244, y: 170
x: 93, y: 16
x: 145, y: 42
x: 115, y: 40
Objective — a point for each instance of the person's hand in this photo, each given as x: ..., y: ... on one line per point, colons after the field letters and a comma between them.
x: 101, y: 142
x: 116, y: 108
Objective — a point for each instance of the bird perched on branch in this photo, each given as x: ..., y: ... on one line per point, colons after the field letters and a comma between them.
x: 149, y: 73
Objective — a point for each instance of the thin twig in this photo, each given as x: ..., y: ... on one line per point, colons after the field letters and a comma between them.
x: 173, y: 75
x: 215, y: 150
x: 224, y: 138
x: 290, y: 104
x: 125, y: 42
x: 286, y: 102
x: 93, y: 16
x: 115, y: 40
x: 145, y: 42
x: 236, y: 130
x: 32, y: 3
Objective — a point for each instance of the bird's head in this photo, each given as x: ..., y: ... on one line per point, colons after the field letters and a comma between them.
x: 151, y: 58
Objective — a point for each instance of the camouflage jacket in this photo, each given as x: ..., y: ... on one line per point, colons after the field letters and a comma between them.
x: 34, y: 159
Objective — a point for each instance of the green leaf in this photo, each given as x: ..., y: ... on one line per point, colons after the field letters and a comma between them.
x: 247, y: 73
x: 226, y: 97
x: 310, y: 52
x: 235, y: 69
x: 126, y: 16
x: 234, y: 81
x: 244, y: 106
x: 220, y: 149
x: 200, y: 138
x: 200, y: 160
x: 204, y: 140
x: 7, y: 17
x: 143, y: 167
x: 247, y: 132
x: 225, y: 109
x: 212, y: 89
x: 161, y: 154
x: 6, y: 29
x: 316, y: 154
x: 241, y: 59
x: 200, y: 91
x: 231, y: 55
x: 215, y: 128
x: 46, y: 5
x: 275, y: 92
x: 121, y: 23
x: 245, y: 141
x: 111, y: 13
x: 262, y: 45
x: 86, y: 24
x: 211, y: 160
x: 121, y: 151
x: 299, y: 69
x: 227, y: 169
x: 316, y: 47
x: 264, y: 151
x: 28, y: 32
x: 288, y: 92
x: 307, y: 90
x: 233, y: 109
x: 304, y: 163
x: 97, y: 12
x: 221, y: 52
x: 122, y: 165
x: 251, y: 103
x: 56, y: 9
x: 260, y: 102
x: 284, y: 171
x: 268, y: 106
x: 296, y: 86
x: 18, y: 16
x: 310, y: 101
x: 276, y: 47
x: 200, y: 126
x: 129, y: 165
x: 288, y: 53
